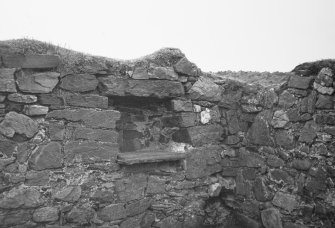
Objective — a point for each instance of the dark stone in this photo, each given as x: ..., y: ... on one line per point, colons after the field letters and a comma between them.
x: 324, y: 102
x: 132, y: 222
x: 81, y: 215
x: 305, y: 117
x: 68, y: 194
x: 199, y: 135
x: 317, y: 183
x: 45, y: 214
x: 232, y: 140
x: 43, y: 82
x: 90, y: 117
x: 271, y: 218
x: 284, y: 139
x: 138, y: 207
x: 50, y: 99
x: 184, y: 66
x: 16, y: 218
x: 31, y: 61
x: 47, y: 156
x: 293, y: 225
x: 131, y: 188
x: 249, y: 173
x: 79, y: 82
x: 205, y: 89
x: 261, y: 191
x: 156, y: 185
x: 301, y: 164
x: 244, y: 221
x: 56, y: 131
x: 18, y: 123
x: 202, y: 162
x: 21, y: 197
x: 293, y: 114
x: 285, y: 201
x: 299, y: 82
x: 308, y: 133
x: 22, y: 98
x: 286, y: 99
x: 325, y: 118
x: 88, y: 101
x: 112, y: 86
x: 259, y: 132
x: 163, y: 73
x: 90, y: 152
x: 250, y: 159
x: 181, y: 105
x: 233, y: 122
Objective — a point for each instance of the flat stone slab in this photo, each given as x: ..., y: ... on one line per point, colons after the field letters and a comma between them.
x: 31, y: 61
x: 148, y: 157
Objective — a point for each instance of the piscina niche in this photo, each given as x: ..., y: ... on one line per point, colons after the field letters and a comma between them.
x: 155, y: 142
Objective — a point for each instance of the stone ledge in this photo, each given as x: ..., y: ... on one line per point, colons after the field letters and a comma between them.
x: 148, y: 157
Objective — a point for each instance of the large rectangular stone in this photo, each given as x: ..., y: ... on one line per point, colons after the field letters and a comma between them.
x: 7, y: 81
x: 199, y: 135
x: 31, y: 61
x: 95, y: 134
x: 88, y: 101
x: 90, y: 152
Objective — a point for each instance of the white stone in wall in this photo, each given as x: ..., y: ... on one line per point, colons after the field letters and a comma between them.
x: 205, y: 116
x: 196, y: 108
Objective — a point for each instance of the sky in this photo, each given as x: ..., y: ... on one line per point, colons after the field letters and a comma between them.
x: 249, y: 35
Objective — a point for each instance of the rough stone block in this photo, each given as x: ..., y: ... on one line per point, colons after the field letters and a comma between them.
x: 299, y: 82
x: 259, y: 132
x: 46, y: 214
x: 271, y: 218
x: 184, y: 66
x: 113, y: 212
x: 181, y: 105
x: 47, y: 156
x: 131, y: 188
x: 205, y: 89
x: 95, y: 134
x: 35, y: 110
x: 69, y: 194
x: 18, y: 123
x: 36, y: 82
x: 88, y: 101
x: 22, y: 98
x: 21, y: 197
x: 285, y: 201
x: 79, y: 82
x: 7, y: 81
x: 184, y: 119
x: 90, y: 152
x: 31, y: 61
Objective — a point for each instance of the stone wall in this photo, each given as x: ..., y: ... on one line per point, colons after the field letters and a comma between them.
x: 155, y: 142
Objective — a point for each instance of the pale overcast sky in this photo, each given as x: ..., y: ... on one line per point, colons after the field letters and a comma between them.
x: 261, y: 35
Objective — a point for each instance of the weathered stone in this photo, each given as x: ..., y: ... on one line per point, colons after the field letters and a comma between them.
x: 200, y: 164
x: 166, y: 73
x: 299, y: 82
x: 323, y: 89
x: 90, y: 117
x: 2, y: 98
x: 232, y: 140
x: 18, y: 123
x: 21, y: 197
x: 308, y: 103
x: 305, y: 117
x: 271, y: 218
x: 325, y: 77
x: 330, y: 130
x: 37, y: 82
x: 325, y: 118
x: 156, y: 185
x: 50, y: 99
x: 132, y: 222
x: 7, y: 147
x: 56, y: 131
x: 285, y: 201
x: 308, y: 133
x: 280, y: 119
x: 89, y: 101
x: 259, y: 132
x: 113, y: 212
x: 31, y: 61
x: 274, y: 161
x: 205, y: 89
x: 90, y: 152
x: 138, y: 206
x: 284, y: 139
x: 184, y: 66
x: 22, y: 98
x: 181, y: 105
x: 261, y: 191
x: 16, y: 218
x: 244, y: 221
x: 45, y: 214
x: 324, y: 102
x: 7, y: 81
x: 199, y: 135
x: 112, y: 86
x: 140, y: 72
x: 35, y: 110
x: 131, y: 188
x: 233, y: 122
x: 37, y: 178
x: 286, y: 99
x: 279, y: 176
x: 47, y: 157
x: 79, y: 82
x: 292, y: 225
x: 68, y: 194
x: 250, y: 159
x: 82, y: 215
x: 96, y: 134
x: 293, y: 114
x: 300, y: 164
